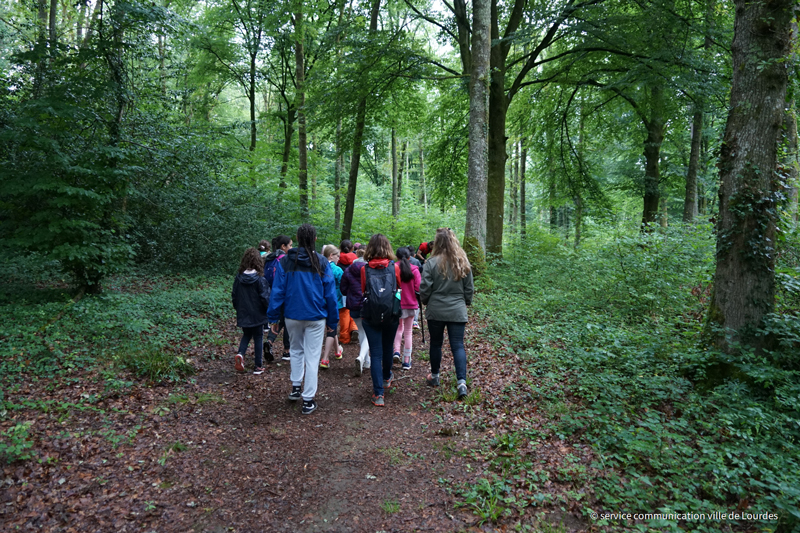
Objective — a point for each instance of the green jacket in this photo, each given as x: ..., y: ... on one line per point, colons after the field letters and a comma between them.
x: 447, y: 299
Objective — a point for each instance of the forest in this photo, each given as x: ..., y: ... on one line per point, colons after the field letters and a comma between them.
x: 622, y: 174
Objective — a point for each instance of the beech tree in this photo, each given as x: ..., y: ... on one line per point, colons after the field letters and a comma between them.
x: 744, y: 278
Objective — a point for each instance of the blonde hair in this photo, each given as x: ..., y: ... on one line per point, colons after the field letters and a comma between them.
x: 453, y: 262
x: 379, y: 247
x: 360, y: 252
x: 328, y: 250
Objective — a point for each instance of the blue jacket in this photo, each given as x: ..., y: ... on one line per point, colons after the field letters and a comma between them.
x: 300, y: 292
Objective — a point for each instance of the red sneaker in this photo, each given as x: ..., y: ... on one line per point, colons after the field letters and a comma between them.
x: 324, y: 363
x: 238, y: 363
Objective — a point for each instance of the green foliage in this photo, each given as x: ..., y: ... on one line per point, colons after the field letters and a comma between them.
x: 154, y: 363
x: 43, y: 332
x: 15, y: 444
x: 617, y: 326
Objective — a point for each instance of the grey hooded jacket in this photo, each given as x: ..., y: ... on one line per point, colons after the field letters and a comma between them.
x: 447, y: 299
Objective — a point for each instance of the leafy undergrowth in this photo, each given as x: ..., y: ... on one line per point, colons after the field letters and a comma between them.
x: 607, y: 345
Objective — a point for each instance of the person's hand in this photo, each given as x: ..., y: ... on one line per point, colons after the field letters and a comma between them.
x: 274, y: 328
x: 330, y: 329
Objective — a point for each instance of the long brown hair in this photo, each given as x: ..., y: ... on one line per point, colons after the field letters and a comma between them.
x: 378, y: 247
x: 453, y: 263
x: 251, y: 260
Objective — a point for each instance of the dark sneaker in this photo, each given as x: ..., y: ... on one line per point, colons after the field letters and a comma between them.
x: 377, y: 401
x: 286, y: 356
x: 359, y: 367
x: 387, y: 383
x: 238, y: 363
x: 432, y: 381
x: 309, y: 406
x: 258, y: 370
x: 268, y: 352
x: 462, y: 390
x: 354, y: 337
x: 396, y: 357
x: 406, y: 362
x: 296, y: 393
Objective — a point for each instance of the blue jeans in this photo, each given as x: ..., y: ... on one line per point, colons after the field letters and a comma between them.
x: 381, y: 340
x: 257, y: 334
x: 455, y: 332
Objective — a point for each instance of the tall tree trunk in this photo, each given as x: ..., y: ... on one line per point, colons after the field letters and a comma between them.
x: 358, y: 135
x: 690, y: 198
x: 300, y: 80
x: 744, y: 281
x: 337, y: 178
x: 394, y: 174
x: 664, y: 217
x: 477, y: 179
x: 251, y: 95
x: 515, y: 190
x: 578, y: 219
x: 522, y: 204
x: 498, y: 106
x: 792, y: 163
x: 552, y: 199
x: 422, y: 178
x: 652, y: 154
x: 79, y: 25
x: 53, y: 27
x: 403, y: 170
x: 288, y: 133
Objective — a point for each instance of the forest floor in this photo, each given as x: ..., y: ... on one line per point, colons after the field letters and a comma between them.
x: 229, y: 452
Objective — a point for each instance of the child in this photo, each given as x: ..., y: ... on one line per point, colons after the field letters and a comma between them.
x: 409, y: 287
x: 346, y: 323
x: 281, y: 244
x: 263, y: 249
x: 304, y: 293
x: 250, y: 298
x: 331, y: 253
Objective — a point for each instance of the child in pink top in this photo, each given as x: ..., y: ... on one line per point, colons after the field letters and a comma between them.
x: 409, y: 285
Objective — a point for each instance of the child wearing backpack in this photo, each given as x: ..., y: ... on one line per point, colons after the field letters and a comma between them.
x: 346, y: 323
x: 380, y: 280
x: 250, y: 297
x: 331, y: 253
x: 280, y: 244
x: 409, y: 287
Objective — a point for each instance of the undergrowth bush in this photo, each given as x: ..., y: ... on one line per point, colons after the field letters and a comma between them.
x: 616, y: 326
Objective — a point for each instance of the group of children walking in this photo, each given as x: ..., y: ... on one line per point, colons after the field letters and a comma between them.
x: 368, y: 294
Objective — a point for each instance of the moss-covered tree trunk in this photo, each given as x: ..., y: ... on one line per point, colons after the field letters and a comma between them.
x: 744, y: 280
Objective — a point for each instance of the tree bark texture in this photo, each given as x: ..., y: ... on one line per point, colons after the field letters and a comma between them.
x: 690, y: 198
x: 652, y: 154
x: 498, y: 106
x: 288, y: 133
x: 522, y: 205
x: 337, y: 178
x: 744, y: 281
x: 302, y: 146
x: 358, y: 136
x: 403, y: 170
x: 422, y: 178
x: 478, y: 159
x: 394, y: 173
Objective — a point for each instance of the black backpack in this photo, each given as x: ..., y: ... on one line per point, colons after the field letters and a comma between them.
x: 381, y: 306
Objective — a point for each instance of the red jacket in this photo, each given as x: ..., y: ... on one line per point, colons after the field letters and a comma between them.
x: 378, y: 263
x: 345, y: 260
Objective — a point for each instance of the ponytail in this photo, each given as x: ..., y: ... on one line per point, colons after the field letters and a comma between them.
x: 307, y: 238
x: 405, y: 265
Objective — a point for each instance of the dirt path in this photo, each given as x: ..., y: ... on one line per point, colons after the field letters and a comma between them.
x: 231, y: 453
